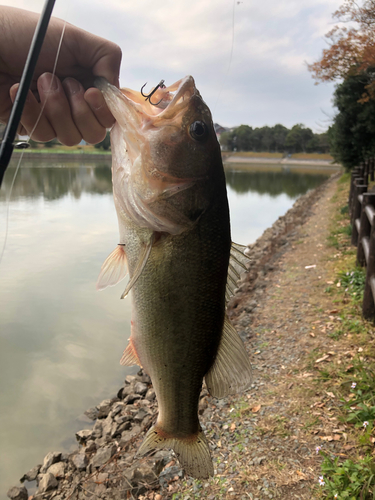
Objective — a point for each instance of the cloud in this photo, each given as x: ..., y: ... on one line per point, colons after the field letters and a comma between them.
x: 273, y: 39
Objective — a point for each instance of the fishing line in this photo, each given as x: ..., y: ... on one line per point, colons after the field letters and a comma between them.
x: 7, y: 209
x: 230, y: 59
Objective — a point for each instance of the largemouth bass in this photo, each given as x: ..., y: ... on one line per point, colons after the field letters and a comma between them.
x: 171, y: 201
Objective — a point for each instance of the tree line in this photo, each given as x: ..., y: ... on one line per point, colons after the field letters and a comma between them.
x: 350, y: 60
x: 276, y: 139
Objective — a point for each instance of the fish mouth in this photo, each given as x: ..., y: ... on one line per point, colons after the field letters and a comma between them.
x: 164, y: 103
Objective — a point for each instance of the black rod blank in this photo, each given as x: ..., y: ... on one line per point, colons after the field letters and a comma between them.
x: 7, y: 144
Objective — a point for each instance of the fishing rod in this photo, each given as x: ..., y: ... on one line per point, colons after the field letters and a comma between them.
x: 7, y: 144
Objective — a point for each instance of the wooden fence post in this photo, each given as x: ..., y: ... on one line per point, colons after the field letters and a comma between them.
x: 368, y: 306
x: 368, y: 201
x: 359, y: 188
x: 356, y: 174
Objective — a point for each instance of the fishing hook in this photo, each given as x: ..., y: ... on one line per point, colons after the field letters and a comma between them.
x: 148, y: 97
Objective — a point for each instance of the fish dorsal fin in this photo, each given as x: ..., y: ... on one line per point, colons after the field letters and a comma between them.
x: 130, y: 357
x: 113, y: 270
x: 237, y: 266
x: 231, y: 371
x: 145, y: 253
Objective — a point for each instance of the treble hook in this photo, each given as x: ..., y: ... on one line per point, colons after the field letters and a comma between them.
x: 159, y: 85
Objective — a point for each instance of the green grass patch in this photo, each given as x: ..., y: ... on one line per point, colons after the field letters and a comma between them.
x: 349, y: 480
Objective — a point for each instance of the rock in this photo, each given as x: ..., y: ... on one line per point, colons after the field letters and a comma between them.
x: 97, y: 431
x: 150, y: 394
x: 107, y: 426
x: 32, y: 474
x: 143, y: 377
x: 145, y: 474
x: 161, y: 459
x: 140, y: 388
x: 116, y: 409
x: 122, y: 427
x: 258, y: 460
x: 80, y: 461
x: 131, y: 398
x: 84, y: 435
x: 57, y: 469
x: 92, y: 413
x: 51, y: 458
x: 104, y: 408
x: 129, y: 379
x: 103, y: 455
x: 18, y: 493
x: 140, y: 478
x: 170, y: 473
x: 90, y: 446
x: 140, y: 415
x: 47, y: 482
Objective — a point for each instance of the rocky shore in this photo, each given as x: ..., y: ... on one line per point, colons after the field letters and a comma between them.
x: 104, y: 464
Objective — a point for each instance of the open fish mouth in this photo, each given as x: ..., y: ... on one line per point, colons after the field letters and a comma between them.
x: 165, y: 102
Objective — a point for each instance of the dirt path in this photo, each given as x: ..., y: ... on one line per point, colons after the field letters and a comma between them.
x: 265, y: 442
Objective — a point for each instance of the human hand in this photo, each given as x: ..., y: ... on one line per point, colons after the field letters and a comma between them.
x: 74, y: 109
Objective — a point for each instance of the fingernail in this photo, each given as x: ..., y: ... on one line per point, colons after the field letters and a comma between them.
x: 96, y: 100
x: 72, y: 85
x: 48, y: 82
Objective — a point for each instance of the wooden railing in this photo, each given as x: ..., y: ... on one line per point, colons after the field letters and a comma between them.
x: 362, y: 217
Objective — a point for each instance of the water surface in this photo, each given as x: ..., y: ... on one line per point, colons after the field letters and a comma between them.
x: 60, y: 340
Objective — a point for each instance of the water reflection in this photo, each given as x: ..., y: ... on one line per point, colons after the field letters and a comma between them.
x: 60, y: 340
x: 273, y: 183
x: 55, y: 182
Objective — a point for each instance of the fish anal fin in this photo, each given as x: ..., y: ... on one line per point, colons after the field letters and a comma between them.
x: 113, y: 270
x: 193, y: 452
x: 231, y: 371
x: 130, y: 356
x: 237, y: 265
x: 142, y: 261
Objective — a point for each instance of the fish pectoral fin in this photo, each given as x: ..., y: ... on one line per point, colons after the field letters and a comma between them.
x: 231, y: 371
x: 141, y: 264
x: 113, y: 270
x: 192, y: 452
x: 237, y: 265
x: 130, y: 357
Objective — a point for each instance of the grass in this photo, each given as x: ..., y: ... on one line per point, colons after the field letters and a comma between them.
x: 69, y: 150
x: 296, y: 156
x: 351, y: 378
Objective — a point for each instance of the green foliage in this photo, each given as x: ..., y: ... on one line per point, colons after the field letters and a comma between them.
x: 274, y: 139
x: 105, y: 143
x: 354, y: 282
x: 51, y: 144
x: 352, y: 136
x: 363, y: 413
x: 348, y: 480
x: 298, y: 138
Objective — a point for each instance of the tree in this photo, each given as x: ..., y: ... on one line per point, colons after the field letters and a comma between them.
x: 352, y: 47
x: 352, y: 135
x: 298, y: 138
x: 243, y: 135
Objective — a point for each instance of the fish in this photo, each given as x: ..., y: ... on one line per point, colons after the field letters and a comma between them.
x: 175, y: 243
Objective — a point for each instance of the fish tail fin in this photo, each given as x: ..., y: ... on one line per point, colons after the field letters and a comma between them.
x: 192, y: 452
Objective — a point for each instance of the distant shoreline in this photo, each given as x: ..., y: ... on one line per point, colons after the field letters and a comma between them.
x: 280, y: 161
x: 228, y: 160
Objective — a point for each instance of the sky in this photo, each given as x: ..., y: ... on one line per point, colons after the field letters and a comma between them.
x: 248, y: 57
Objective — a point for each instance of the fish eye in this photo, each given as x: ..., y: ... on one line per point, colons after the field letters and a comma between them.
x: 198, y: 130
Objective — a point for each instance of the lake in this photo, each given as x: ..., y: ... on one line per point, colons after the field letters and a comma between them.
x: 60, y: 339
